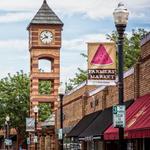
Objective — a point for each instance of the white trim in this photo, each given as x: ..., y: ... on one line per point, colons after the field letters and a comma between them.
x: 129, y: 72
x: 145, y: 39
x: 100, y: 88
x: 77, y: 88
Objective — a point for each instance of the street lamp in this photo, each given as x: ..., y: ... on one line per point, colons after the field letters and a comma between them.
x: 61, y: 93
x: 121, y: 18
x: 35, y: 109
x: 7, y: 119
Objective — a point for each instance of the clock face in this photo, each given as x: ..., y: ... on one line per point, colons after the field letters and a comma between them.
x: 46, y: 37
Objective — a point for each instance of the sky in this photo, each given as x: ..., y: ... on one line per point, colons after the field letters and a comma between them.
x: 84, y: 21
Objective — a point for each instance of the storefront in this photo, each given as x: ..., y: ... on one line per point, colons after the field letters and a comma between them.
x: 137, y: 131
x: 92, y: 136
x: 89, y: 131
x: 80, y: 127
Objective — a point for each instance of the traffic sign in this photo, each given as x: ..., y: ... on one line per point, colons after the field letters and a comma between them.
x: 119, y: 116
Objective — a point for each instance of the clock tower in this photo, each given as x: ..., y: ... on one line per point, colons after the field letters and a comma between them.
x: 44, y: 44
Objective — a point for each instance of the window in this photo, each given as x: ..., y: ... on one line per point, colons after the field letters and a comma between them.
x: 45, y: 65
x: 91, y: 104
x: 96, y: 102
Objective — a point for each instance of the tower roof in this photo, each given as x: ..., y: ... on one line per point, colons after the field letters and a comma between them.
x: 45, y: 15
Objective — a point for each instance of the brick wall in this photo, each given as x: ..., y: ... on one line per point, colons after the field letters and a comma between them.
x: 136, y: 83
x: 108, y: 96
x: 76, y: 106
x: 73, y: 105
x: 144, y: 67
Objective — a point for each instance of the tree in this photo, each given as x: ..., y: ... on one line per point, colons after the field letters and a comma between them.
x: 79, y: 78
x: 131, y: 46
x: 131, y: 54
x: 14, y: 101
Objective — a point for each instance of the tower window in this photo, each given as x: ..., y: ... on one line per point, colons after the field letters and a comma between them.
x: 44, y: 111
x: 45, y: 87
x: 45, y: 65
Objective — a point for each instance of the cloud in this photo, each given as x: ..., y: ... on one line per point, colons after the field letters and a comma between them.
x: 16, y: 45
x: 15, y: 17
x: 74, y: 47
x: 93, y: 9
x: 14, y: 56
x: 80, y: 44
x: 69, y: 72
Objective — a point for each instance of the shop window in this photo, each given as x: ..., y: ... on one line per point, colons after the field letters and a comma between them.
x: 45, y: 87
x: 45, y: 65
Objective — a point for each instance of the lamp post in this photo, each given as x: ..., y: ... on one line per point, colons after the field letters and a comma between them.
x: 36, y: 109
x: 61, y: 93
x: 121, y: 18
x: 7, y: 119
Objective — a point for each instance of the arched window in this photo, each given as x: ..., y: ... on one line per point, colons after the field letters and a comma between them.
x: 45, y: 65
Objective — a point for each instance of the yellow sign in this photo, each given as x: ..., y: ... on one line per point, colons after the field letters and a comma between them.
x: 102, y: 63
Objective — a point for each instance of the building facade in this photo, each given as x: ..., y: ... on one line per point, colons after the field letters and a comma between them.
x: 79, y: 104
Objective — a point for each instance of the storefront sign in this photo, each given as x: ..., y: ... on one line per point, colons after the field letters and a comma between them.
x: 75, y: 146
x: 30, y: 124
x: 8, y: 142
x: 101, y: 63
x: 28, y: 141
x: 35, y: 140
x: 89, y: 138
x: 119, y: 116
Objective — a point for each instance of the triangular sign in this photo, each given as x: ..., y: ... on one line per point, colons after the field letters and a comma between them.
x: 101, y: 57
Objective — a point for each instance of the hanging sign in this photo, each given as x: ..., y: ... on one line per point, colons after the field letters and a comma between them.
x: 119, y: 116
x: 101, y: 63
x: 30, y: 124
x: 60, y: 134
x: 28, y: 141
x: 35, y: 140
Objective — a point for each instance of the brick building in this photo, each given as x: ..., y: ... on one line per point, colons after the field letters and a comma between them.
x: 84, y: 100
x: 44, y: 46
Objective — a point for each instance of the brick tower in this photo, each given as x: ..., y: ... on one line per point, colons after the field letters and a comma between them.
x: 44, y: 44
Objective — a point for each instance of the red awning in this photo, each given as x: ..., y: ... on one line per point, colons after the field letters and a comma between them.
x: 137, y: 121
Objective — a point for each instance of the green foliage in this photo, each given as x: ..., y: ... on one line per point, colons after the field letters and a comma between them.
x: 44, y: 87
x: 79, y: 78
x: 131, y: 46
x: 44, y: 111
x: 14, y: 100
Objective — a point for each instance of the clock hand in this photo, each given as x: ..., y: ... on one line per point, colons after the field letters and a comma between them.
x: 45, y: 37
